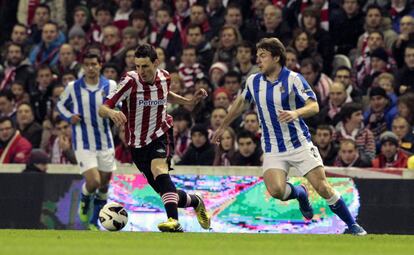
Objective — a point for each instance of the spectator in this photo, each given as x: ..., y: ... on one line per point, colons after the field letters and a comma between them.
x: 177, y: 87
x: 140, y: 21
x: 249, y: 153
x: 232, y: 82
x: 216, y: 73
x: 26, y: 124
x: 244, y: 61
x: 182, y: 16
x: 304, y: 45
x: 406, y: 107
x: 77, y: 39
x: 321, y: 83
x: 198, y: 16
x: 104, y: 16
x: 375, y: 21
x: 14, y: 148
x: 348, y: 155
x: 337, y: 98
x: 46, y: 52
x: 351, y: 127
x: 122, y: 150
x: 292, y: 59
x: 195, y: 37
x: 326, y: 145
x: 378, y: 118
x: 164, y: 63
x: 7, y: 106
x: 112, y: 47
x: 399, y: 8
x: 200, y: 152
x: 347, y: 26
x: 234, y: 17
x: 311, y: 23
x: 165, y: 34
x: 405, y: 76
x: 60, y: 145
x: 274, y: 25
x: 215, y: 13
x: 16, y: 66
x: 122, y: 14
x: 81, y: 17
x: 129, y: 60
x: 189, y: 68
x: 226, y: 149
x: 111, y: 71
x: 221, y: 98
x: 37, y: 162
x: 229, y: 38
x: 386, y: 81
x: 216, y: 119
x: 402, y: 129
x: 343, y: 74
x: 67, y: 77
x: 391, y: 155
x: 404, y: 38
x: 251, y: 124
x: 129, y: 38
x: 40, y: 18
x: 67, y: 61
x: 182, y: 132
x: 19, y: 93
x: 19, y: 34
x: 40, y: 95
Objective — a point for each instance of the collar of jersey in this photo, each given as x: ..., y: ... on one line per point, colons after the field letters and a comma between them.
x: 282, y: 74
x: 100, y: 83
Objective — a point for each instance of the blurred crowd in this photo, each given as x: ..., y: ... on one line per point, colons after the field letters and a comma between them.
x: 358, y: 56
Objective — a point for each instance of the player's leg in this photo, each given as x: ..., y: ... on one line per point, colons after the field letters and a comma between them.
x: 194, y: 200
x: 317, y: 179
x: 168, y: 192
x: 89, y: 187
x: 275, y: 172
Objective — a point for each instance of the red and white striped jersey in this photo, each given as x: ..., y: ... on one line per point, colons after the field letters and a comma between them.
x: 144, y: 106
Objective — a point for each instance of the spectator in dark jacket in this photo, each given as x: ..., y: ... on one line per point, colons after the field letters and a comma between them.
x: 326, y: 145
x: 349, y: 156
x: 201, y: 151
x: 37, y: 162
x: 405, y: 76
x: 27, y: 125
x: 249, y: 153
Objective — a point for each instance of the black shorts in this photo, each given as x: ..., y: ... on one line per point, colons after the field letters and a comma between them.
x: 162, y: 147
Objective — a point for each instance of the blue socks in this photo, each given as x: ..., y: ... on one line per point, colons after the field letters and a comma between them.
x: 293, y: 192
x: 340, y: 209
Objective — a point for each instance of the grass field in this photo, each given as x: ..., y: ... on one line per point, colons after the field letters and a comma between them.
x: 45, y: 242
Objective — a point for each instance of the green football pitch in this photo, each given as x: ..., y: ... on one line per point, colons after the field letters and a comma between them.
x: 45, y: 242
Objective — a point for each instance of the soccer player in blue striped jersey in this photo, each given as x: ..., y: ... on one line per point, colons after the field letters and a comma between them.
x: 91, y: 135
x: 283, y: 98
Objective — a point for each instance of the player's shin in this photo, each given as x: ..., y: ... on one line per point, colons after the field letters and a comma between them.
x: 338, y: 206
x: 168, y: 195
x: 186, y: 200
x: 98, y: 202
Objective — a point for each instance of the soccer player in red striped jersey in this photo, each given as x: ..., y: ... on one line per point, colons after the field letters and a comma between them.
x: 144, y: 94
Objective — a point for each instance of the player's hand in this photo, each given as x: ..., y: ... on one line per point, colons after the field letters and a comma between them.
x: 287, y: 116
x: 118, y: 118
x: 199, y: 95
x: 75, y: 119
x: 217, y: 135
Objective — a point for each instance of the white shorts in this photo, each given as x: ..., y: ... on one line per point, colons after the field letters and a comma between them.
x: 303, y: 159
x: 102, y: 160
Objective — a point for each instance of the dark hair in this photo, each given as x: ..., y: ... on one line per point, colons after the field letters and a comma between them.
x: 341, y: 68
x: 313, y: 12
x: 348, y: 109
x: 45, y: 6
x: 232, y: 74
x: 312, y: 63
x: 146, y: 51
x: 59, y: 119
x: 198, y: 4
x: 28, y: 104
x: 325, y: 127
x: 246, y: 44
x: 233, y: 5
x: 111, y: 65
x: 193, y: 26
x: 138, y: 14
x: 18, y: 24
x: 7, y: 94
x: 104, y: 7
x: 374, y: 6
x: 408, y: 99
x: 54, y: 24
x: 190, y: 47
x: 9, y: 44
x: 246, y: 134
x: 347, y: 140
x: 377, y: 32
x: 166, y: 9
x: 6, y: 118
x: 182, y: 114
x: 252, y: 113
x: 91, y: 55
x: 275, y: 47
x: 409, y: 45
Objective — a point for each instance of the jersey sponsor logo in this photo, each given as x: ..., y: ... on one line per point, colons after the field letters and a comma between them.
x: 142, y: 102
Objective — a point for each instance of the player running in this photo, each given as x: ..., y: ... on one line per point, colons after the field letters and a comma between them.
x: 92, y: 138
x: 283, y: 98
x: 144, y: 94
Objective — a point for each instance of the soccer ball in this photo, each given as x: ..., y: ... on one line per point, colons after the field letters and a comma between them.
x: 113, y: 216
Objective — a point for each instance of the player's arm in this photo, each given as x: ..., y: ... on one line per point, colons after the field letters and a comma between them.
x: 116, y: 116
x: 311, y: 108
x: 65, y: 99
x: 238, y: 107
x: 174, y: 98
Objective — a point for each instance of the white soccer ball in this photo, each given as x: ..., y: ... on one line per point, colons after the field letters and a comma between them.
x: 113, y: 216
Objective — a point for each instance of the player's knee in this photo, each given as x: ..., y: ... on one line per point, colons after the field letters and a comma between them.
x: 93, y: 184
x: 277, y: 192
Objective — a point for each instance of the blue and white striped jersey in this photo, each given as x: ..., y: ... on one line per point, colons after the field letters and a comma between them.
x: 289, y: 92
x: 92, y: 132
